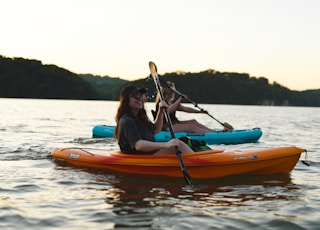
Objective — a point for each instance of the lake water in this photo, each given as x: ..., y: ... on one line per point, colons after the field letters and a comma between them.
x: 38, y: 193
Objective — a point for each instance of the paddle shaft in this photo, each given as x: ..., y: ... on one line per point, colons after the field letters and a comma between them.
x: 155, y: 77
x: 195, y: 104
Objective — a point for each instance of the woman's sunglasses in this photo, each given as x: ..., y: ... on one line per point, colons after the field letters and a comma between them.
x: 137, y: 95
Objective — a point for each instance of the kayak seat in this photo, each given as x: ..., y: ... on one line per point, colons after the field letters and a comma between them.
x: 195, y: 145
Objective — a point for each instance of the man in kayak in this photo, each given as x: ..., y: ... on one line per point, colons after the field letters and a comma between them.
x: 192, y: 125
x: 134, y: 130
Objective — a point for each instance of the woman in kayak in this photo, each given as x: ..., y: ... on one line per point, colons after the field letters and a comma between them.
x: 192, y: 125
x: 134, y: 130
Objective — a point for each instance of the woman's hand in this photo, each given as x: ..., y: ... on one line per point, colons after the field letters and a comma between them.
x: 163, y: 105
x: 184, y: 97
x: 174, y: 143
x: 204, y: 111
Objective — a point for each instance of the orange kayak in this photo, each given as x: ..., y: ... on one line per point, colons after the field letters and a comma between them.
x: 205, y: 164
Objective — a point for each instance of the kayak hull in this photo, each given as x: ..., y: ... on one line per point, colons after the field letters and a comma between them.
x: 217, y: 137
x: 202, y: 165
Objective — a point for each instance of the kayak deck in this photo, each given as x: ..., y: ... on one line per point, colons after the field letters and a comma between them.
x: 237, y: 136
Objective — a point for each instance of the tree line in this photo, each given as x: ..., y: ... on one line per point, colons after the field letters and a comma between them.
x: 23, y: 78
x: 214, y: 87
x: 28, y: 78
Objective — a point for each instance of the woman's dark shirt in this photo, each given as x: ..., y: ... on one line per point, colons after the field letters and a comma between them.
x: 129, y: 133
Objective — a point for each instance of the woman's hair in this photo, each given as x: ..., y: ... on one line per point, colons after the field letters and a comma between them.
x: 124, y: 109
x: 168, y: 93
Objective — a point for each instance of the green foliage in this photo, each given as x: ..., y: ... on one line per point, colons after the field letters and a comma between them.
x: 23, y: 78
x: 213, y: 87
x: 107, y: 87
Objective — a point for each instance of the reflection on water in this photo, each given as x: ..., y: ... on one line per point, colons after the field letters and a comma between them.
x: 231, y: 191
x: 139, y: 199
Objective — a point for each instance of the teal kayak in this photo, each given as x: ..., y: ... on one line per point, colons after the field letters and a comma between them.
x: 237, y: 136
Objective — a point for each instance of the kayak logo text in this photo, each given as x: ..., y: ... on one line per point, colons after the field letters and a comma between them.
x: 73, y: 155
x: 246, y: 157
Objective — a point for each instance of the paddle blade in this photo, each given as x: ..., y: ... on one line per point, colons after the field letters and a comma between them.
x: 227, y: 126
x: 153, y: 69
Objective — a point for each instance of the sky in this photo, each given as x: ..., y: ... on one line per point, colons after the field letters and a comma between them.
x: 275, y: 39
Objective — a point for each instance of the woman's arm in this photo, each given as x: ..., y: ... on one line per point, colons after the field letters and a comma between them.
x: 158, y: 122
x: 147, y: 146
x: 189, y: 109
x: 180, y: 107
x: 175, y: 105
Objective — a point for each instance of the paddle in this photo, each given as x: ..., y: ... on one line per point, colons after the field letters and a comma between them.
x: 225, y: 124
x: 154, y: 74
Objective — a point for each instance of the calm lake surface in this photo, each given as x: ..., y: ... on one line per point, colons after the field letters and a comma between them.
x: 38, y: 193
